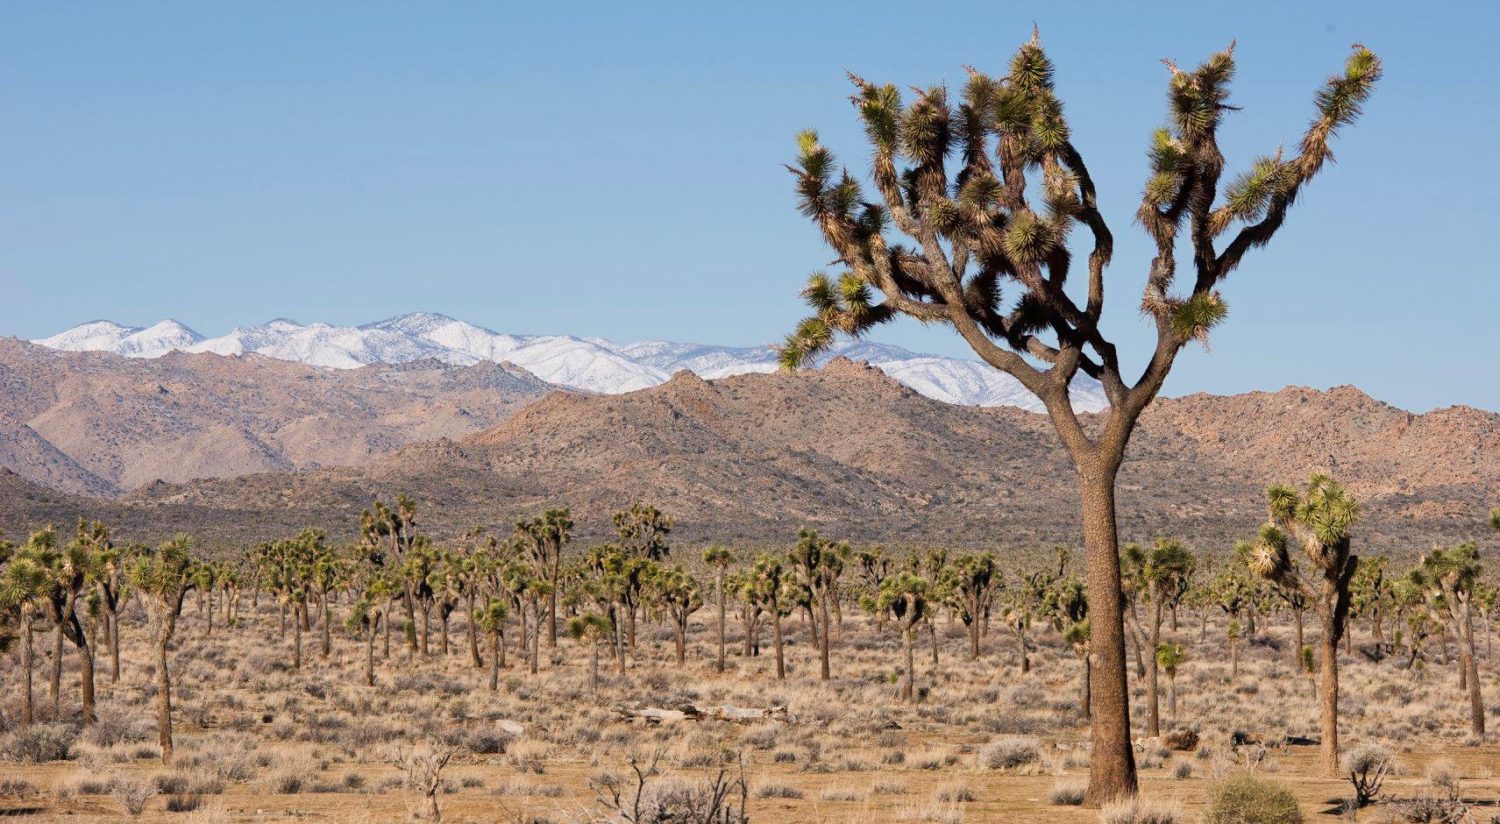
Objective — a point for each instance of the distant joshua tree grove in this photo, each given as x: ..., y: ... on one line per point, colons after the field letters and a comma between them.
x: 974, y: 229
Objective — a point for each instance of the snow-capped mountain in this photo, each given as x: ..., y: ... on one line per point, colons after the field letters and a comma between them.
x: 589, y: 364
x: 130, y: 341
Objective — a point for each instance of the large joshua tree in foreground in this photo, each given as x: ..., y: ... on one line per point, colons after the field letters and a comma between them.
x: 939, y: 243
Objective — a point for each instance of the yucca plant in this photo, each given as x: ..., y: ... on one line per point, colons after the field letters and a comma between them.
x: 24, y: 587
x: 905, y: 597
x: 1319, y: 520
x: 983, y: 248
x: 590, y: 630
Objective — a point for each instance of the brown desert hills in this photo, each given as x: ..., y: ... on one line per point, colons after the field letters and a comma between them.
x: 750, y: 459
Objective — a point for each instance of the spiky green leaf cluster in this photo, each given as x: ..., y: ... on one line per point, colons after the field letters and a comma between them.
x: 1194, y: 318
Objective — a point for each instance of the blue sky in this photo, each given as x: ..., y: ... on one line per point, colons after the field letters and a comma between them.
x: 615, y: 169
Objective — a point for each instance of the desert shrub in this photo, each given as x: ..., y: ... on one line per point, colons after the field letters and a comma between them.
x: 39, y: 743
x: 1367, y: 766
x: 530, y: 756
x: 133, y: 794
x: 287, y: 783
x: 1243, y: 798
x: 1067, y: 793
x: 1182, y: 770
x: 19, y: 789
x: 881, y: 787
x: 184, y: 803
x: 171, y: 783
x: 115, y: 724
x: 488, y: 742
x: 777, y: 791
x: 1428, y: 809
x: 953, y: 794
x: 353, y: 781
x: 1142, y: 811
x: 763, y: 737
x: 1009, y: 752
x: 472, y: 782
x: 1443, y: 776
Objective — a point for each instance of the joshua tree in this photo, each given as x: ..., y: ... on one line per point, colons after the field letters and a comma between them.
x: 544, y: 537
x: 389, y: 534
x: 1453, y: 573
x: 719, y: 558
x: 1066, y: 602
x: 905, y: 595
x: 1320, y: 520
x: 491, y: 619
x: 819, y: 562
x: 975, y: 230
x: 680, y: 596
x: 1155, y: 575
x: 163, y: 577
x: 1370, y: 596
x: 767, y: 587
x: 25, y: 586
x: 1169, y: 658
x: 972, y: 580
x: 369, y: 612
x: 590, y: 629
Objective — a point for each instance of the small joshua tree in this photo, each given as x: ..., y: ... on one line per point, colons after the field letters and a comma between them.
x: 974, y: 231
x: 24, y: 587
x: 491, y: 620
x: 679, y: 596
x: 1155, y: 575
x: 719, y: 559
x: 1453, y: 573
x: 1320, y: 520
x: 819, y: 562
x: 1169, y: 658
x: 591, y: 630
x: 904, y: 597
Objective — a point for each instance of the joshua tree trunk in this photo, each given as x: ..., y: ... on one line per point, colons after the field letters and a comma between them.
x: 426, y: 628
x: 823, y: 672
x: 86, y: 677
x: 1021, y: 647
x: 594, y: 668
x: 1328, y: 749
x: 908, y: 690
x: 114, y: 647
x: 496, y: 650
x: 1112, y: 765
x: 1234, y: 660
x: 536, y: 637
x: 208, y: 626
x: 57, y: 668
x: 974, y: 627
x: 163, y: 699
x: 327, y: 633
x: 474, y: 659
x: 1300, y: 643
x: 1172, y: 696
x: 1153, y: 703
x: 370, y: 653
x: 28, y: 663
x: 680, y: 637
x: 780, y: 661
x: 719, y: 665
x: 932, y: 635
x: 297, y: 638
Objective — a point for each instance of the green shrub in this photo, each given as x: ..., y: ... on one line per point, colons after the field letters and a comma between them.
x: 1244, y: 798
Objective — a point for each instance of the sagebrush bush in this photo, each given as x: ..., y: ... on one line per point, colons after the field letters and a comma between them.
x: 1009, y: 752
x: 1244, y: 798
x: 39, y: 743
x: 1068, y: 793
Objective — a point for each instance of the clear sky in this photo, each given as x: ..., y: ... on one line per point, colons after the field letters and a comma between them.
x: 614, y: 169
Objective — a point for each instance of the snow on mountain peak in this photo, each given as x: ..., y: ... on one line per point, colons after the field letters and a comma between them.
x: 589, y: 364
